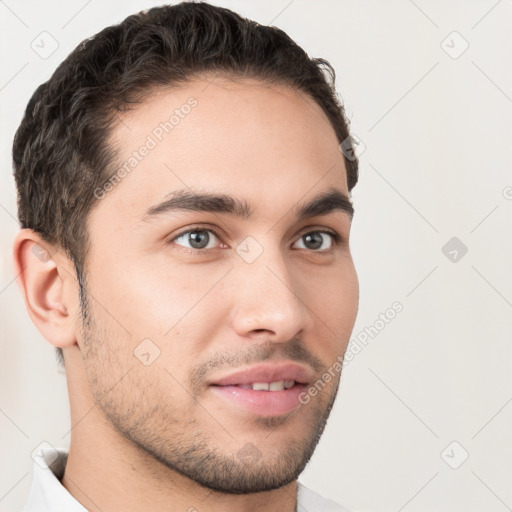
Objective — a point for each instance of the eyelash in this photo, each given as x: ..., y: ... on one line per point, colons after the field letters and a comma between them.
x: 336, y: 237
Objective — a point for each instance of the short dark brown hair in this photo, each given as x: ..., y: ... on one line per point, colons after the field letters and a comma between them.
x: 61, y: 153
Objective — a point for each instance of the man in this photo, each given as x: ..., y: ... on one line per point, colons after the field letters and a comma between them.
x: 185, y: 212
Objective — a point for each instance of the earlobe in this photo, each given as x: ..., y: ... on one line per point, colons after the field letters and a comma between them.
x: 41, y: 277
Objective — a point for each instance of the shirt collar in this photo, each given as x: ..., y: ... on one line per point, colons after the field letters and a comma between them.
x: 47, y: 494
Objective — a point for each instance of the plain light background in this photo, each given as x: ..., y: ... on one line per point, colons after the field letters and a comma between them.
x: 432, y: 387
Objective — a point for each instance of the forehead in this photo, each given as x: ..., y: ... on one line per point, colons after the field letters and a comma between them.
x: 243, y: 138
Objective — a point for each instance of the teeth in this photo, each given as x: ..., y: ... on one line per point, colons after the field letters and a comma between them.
x: 272, y: 386
x: 260, y: 386
x: 277, y: 386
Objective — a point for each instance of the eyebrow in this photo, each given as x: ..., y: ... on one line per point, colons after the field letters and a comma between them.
x: 324, y: 203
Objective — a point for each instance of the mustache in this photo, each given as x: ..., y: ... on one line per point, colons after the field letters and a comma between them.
x: 294, y: 350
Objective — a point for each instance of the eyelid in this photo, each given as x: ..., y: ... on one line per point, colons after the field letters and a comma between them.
x: 319, y: 229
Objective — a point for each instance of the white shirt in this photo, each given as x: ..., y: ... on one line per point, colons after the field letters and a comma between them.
x: 47, y: 494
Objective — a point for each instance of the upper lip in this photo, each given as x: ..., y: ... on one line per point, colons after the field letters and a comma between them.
x: 266, y: 373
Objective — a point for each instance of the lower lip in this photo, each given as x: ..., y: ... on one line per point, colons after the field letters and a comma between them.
x: 264, y: 403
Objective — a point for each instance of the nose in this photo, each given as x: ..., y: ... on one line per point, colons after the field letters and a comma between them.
x: 267, y: 302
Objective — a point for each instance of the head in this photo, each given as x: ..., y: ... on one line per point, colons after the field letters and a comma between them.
x: 185, y: 212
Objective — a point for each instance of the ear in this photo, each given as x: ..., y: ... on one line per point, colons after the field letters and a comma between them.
x: 47, y: 281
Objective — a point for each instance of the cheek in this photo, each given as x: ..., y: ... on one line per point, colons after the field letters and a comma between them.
x: 175, y: 307
x: 153, y: 301
x: 147, y: 314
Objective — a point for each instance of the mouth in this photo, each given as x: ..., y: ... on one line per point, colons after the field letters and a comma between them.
x: 265, y: 390
x: 279, y: 385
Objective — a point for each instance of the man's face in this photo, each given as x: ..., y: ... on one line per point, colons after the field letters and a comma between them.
x: 212, y: 293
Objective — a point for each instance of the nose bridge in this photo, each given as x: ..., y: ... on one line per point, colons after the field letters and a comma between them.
x: 266, y: 298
